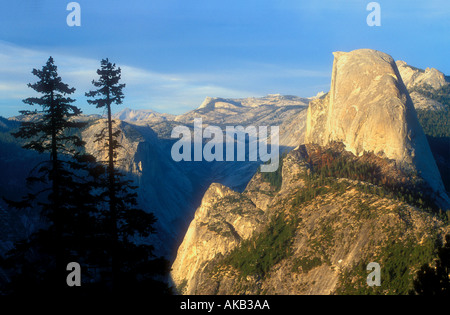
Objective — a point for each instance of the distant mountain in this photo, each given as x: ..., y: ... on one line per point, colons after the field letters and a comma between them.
x: 271, y: 99
x: 287, y: 112
x: 413, y: 76
x: 133, y: 115
x: 418, y: 80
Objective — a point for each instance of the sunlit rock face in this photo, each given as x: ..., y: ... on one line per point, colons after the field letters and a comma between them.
x: 369, y: 109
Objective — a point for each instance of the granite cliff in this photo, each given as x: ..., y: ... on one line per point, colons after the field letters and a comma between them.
x: 369, y: 109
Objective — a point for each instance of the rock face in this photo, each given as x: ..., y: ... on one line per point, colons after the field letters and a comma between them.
x: 413, y: 76
x: 223, y: 212
x: 417, y: 80
x: 268, y: 241
x: 369, y: 109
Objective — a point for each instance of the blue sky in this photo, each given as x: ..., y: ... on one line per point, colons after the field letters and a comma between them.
x: 174, y: 53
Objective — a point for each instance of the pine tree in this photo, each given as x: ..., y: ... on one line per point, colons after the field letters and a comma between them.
x: 62, y: 190
x: 134, y: 267
x: 110, y: 92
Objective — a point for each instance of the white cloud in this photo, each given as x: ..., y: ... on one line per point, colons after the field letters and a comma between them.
x: 144, y: 89
x: 168, y: 92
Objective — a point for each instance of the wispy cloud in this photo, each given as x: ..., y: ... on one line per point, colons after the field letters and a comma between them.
x: 174, y: 93
x: 145, y: 89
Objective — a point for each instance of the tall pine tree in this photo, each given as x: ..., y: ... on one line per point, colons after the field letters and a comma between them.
x: 62, y: 193
x: 134, y: 266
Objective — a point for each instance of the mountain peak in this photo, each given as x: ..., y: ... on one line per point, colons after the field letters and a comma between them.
x: 137, y: 115
x: 369, y: 109
x: 415, y: 77
x: 218, y: 102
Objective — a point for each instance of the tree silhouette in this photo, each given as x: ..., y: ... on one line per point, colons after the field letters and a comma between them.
x: 134, y: 267
x: 61, y: 190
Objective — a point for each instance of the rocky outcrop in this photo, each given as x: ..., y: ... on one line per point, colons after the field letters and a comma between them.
x: 416, y: 80
x: 369, y: 109
x: 315, y: 245
x: 413, y: 77
x: 222, y: 221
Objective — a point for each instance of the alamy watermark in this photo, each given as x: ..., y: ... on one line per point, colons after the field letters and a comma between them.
x: 374, y: 17
x: 74, y: 17
x: 374, y: 278
x: 230, y: 145
x: 74, y: 277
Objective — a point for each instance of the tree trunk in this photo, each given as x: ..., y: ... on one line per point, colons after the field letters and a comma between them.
x: 112, y: 201
x: 56, y: 202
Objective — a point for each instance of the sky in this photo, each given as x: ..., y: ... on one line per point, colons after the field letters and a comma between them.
x: 174, y: 53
